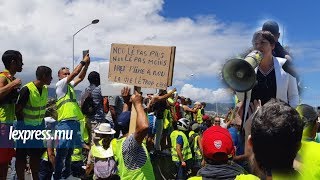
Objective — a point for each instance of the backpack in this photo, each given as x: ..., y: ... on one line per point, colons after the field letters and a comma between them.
x: 87, y: 104
x: 105, y: 168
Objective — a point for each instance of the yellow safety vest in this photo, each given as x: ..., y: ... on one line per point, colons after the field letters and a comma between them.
x: 143, y: 173
x: 196, y: 149
x: 67, y: 106
x: 186, y: 151
x: 191, y: 133
x: 84, y: 130
x: 77, y: 155
x: 7, y: 110
x: 247, y: 177
x: 167, y: 119
x: 35, y: 108
x: 310, y: 158
x: 195, y: 178
x: 99, y: 152
x: 199, y: 117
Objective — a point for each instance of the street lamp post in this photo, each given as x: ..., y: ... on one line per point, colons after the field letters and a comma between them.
x: 93, y: 22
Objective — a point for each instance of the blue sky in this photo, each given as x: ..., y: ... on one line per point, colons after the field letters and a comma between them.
x: 299, y: 30
x: 205, y: 32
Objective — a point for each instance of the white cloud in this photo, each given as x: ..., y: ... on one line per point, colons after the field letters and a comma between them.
x: 205, y: 94
x: 42, y: 31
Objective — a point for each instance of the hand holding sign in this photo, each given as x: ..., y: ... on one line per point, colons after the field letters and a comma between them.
x: 141, y: 66
x: 125, y: 93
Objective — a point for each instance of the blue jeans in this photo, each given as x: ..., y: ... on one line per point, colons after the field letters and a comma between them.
x: 63, y: 163
x: 46, y: 170
x: 182, y: 171
x: 159, y: 130
x: 65, y: 148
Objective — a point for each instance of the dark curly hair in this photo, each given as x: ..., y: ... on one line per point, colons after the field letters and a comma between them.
x: 276, y: 134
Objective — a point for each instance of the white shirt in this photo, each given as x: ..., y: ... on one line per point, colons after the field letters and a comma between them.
x: 62, y: 87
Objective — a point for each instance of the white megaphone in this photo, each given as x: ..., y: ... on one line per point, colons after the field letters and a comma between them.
x: 239, y: 73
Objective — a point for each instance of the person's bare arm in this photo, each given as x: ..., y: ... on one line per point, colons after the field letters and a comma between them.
x: 186, y: 108
x: 51, y: 156
x: 142, y: 123
x: 6, y: 88
x: 19, y: 112
x: 21, y: 103
x: 179, y: 153
x: 83, y: 72
x: 77, y: 70
x: 90, y: 163
x: 165, y: 96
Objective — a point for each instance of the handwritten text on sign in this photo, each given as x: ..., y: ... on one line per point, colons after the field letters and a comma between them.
x: 141, y: 65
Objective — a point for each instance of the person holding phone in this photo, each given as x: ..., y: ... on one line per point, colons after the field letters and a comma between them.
x: 69, y: 115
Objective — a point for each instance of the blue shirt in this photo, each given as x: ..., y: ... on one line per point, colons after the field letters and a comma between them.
x: 237, y: 140
x: 180, y: 140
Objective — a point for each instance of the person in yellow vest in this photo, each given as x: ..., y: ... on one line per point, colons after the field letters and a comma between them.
x: 187, y: 111
x: 129, y: 152
x: 159, y: 105
x: 77, y: 158
x: 275, y: 139
x: 180, y: 149
x: 77, y: 163
x: 216, y: 144
x: 69, y: 115
x: 9, y: 85
x: 198, y: 114
x: 47, y: 159
x: 309, y: 156
x: 30, y: 112
x: 194, y: 142
x: 100, y: 157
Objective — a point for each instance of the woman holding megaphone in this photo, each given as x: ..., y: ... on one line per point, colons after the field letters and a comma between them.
x: 273, y: 79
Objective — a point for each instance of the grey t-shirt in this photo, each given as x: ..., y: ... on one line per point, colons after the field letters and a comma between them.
x: 98, y: 102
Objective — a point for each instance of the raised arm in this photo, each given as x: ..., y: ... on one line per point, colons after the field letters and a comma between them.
x: 142, y: 123
x: 81, y: 70
x: 165, y: 96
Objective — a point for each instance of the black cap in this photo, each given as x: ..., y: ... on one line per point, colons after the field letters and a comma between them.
x: 271, y: 26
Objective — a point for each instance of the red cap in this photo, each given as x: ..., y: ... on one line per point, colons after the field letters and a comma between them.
x: 216, y: 139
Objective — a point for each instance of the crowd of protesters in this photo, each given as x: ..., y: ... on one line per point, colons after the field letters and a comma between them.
x: 174, y: 137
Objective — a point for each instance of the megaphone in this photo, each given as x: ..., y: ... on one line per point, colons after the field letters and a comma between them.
x: 239, y: 73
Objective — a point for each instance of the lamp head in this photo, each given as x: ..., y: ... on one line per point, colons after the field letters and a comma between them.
x: 95, y: 21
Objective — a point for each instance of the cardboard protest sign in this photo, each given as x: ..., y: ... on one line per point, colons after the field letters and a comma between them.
x: 109, y: 88
x: 142, y: 65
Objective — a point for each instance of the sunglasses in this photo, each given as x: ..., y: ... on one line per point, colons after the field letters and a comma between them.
x: 64, y: 68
